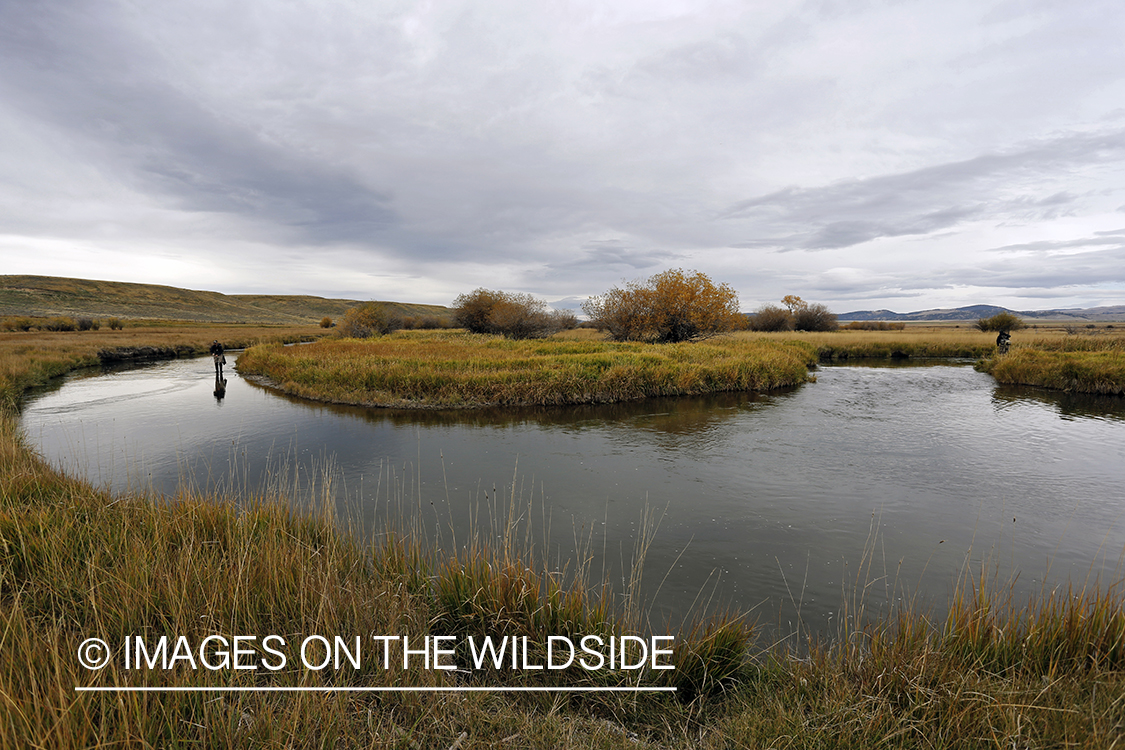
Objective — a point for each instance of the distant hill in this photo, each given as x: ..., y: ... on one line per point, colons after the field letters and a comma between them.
x: 975, y: 312
x: 46, y: 296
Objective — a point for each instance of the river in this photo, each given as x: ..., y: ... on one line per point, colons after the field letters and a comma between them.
x: 881, y: 484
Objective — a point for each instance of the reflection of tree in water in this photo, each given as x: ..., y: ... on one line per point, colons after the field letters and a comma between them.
x: 679, y: 415
x: 1068, y: 404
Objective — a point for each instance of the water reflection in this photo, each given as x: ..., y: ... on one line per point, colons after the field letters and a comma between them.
x: 673, y: 415
x: 1066, y: 405
x: 884, y: 478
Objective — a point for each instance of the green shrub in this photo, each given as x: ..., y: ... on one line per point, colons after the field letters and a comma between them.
x: 1004, y: 321
x: 115, y: 324
x: 88, y: 324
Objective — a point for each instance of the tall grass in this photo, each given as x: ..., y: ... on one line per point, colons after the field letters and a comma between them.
x: 1082, y: 364
x: 454, y: 369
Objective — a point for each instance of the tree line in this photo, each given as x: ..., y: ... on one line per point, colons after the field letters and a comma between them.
x: 669, y: 307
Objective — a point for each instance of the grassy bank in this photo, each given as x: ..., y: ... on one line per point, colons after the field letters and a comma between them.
x: 1082, y: 365
x: 76, y: 563
x: 943, y: 342
x: 455, y: 369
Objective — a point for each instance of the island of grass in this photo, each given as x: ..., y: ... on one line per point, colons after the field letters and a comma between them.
x: 454, y: 369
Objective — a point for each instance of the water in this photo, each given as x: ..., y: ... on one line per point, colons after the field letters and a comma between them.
x: 884, y: 480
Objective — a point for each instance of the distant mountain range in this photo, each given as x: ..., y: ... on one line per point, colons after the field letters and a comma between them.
x: 976, y: 312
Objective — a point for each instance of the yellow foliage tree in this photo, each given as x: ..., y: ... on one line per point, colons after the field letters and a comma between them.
x: 670, y: 306
x: 794, y: 303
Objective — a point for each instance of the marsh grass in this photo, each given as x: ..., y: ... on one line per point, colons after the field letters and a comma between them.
x: 76, y: 562
x: 1084, y: 364
x: 456, y: 369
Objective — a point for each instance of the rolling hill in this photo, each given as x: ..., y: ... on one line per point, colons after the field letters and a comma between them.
x: 48, y: 296
x: 975, y: 312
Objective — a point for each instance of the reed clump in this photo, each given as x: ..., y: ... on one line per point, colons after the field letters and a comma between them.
x: 457, y: 369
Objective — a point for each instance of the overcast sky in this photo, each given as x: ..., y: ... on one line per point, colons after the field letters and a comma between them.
x: 863, y: 154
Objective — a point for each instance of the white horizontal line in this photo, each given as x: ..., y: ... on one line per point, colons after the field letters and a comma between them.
x: 283, y: 689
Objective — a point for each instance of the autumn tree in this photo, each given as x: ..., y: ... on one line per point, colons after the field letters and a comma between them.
x: 670, y: 306
x: 793, y: 303
x: 771, y: 318
x: 795, y: 315
x: 473, y: 311
x: 510, y: 314
x: 815, y: 317
x: 367, y: 320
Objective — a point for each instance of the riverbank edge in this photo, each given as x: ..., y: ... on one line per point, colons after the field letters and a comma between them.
x: 1095, y: 372
x: 472, y: 371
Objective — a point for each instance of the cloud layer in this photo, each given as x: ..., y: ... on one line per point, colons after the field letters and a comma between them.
x: 901, y: 155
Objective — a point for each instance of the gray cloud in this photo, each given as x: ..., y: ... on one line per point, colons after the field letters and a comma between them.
x: 927, y: 200
x: 83, y: 74
x: 923, y: 151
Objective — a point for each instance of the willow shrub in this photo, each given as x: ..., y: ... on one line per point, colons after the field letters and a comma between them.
x: 669, y: 307
x: 509, y: 314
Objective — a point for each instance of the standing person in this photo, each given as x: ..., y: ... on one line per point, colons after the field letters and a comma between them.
x: 1002, y: 342
x: 217, y: 355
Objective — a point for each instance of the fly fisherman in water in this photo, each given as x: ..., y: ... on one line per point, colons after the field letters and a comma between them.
x: 217, y: 355
x: 1002, y: 342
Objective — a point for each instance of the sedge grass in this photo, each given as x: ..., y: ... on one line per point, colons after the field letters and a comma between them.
x: 1081, y: 365
x: 456, y: 369
x: 76, y: 562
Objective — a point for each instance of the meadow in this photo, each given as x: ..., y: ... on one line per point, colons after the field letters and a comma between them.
x: 77, y: 563
x: 454, y: 369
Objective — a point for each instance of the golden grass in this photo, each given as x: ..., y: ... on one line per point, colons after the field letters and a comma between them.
x: 937, y: 341
x: 456, y: 369
x: 1099, y: 371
